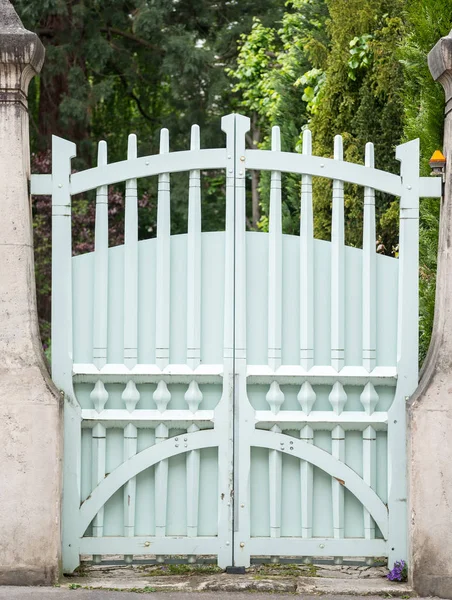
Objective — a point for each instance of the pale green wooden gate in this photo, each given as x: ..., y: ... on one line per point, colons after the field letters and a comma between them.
x: 238, y: 394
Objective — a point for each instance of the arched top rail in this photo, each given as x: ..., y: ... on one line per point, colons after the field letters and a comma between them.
x: 147, y: 166
x: 288, y: 162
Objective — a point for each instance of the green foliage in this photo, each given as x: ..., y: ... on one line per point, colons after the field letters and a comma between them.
x: 427, y: 22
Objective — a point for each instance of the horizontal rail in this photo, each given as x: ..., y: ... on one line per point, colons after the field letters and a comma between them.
x: 318, y: 375
x: 319, y: 547
x: 290, y: 162
x: 146, y: 373
x: 147, y: 166
x: 143, y: 418
x: 322, y: 419
x: 150, y: 545
x: 151, y: 373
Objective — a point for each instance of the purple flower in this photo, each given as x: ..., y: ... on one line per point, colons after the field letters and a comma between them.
x: 399, y: 571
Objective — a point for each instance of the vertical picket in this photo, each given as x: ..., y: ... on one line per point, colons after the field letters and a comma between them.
x: 243, y: 412
x: 275, y: 477
x: 407, y: 347
x: 98, y: 475
x: 161, y: 397
x: 369, y: 474
x: 130, y: 397
x: 337, y: 266
x: 369, y: 271
x: 130, y: 449
x: 307, y: 484
x: 306, y: 264
x: 275, y: 263
x: 194, y: 260
x: 100, y: 315
x: 338, y: 451
x: 62, y: 152
x: 162, y: 325
x: 193, y: 397
x: 161, y: 488
x: 131, y: 264
x: 225, y: 409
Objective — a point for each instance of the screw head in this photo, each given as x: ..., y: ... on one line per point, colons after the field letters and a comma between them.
x: 147, y: 544
x: 242, y: 506
x: 177, y: 445
x: 242, y: 158
x: 242, y: 545
x: 322, y: 546
x: 60, y: 185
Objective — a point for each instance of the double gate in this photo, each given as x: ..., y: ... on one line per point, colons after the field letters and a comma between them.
x: 236, y: 393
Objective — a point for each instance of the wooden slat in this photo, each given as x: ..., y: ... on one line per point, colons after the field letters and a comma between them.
x: 131, y: 264
x: 193, y: 397
x: 161, y: 398
x: 193, y: 465
x: 194, y: 261
x: 407, y: 347
x: 162, y: 325
x: 100, y: 314
x: 161, y: 487
x: 337, y: 266
x: 306, y: 264
x: 307, y: 485
x: 275, y: 262
x: 369, y: 474
x: 369, y: 271
x: 98, y: 474
x: 275, y: 478
x: 338, y: 451
x: 130, y: 449
x: 62, y: 351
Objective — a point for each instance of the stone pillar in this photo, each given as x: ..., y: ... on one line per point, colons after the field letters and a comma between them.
x: 430, y: 409
x: 30, y: 412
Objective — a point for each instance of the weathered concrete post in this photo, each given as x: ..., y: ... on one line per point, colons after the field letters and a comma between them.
x: 430, y: 410
x: 30, y: 439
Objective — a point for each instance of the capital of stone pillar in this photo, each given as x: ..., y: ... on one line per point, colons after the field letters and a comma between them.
x: 30, y: 412
x: 21, y: 56
x: 430, y: 408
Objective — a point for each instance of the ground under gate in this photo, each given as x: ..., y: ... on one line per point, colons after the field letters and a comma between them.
x: 237, y: 394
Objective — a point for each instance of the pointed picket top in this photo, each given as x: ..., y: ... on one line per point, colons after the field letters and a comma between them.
x: 132, y: 146
x: 130, y: 396
x: 276, y: 139
x: 369, y: 398
x: 99, y: 396
x: 164, y: 141
x: 162, y: 396
x: 130, y: 432
x: 195, y: 139
x: 275, y: 397
x: 193, y: 396
x: 306, y: 397
x: 307, y: 142
x: 338, y: 398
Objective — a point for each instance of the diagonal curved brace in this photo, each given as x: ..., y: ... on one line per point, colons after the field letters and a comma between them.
x: 207, y: 438
x: 326, y: 462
